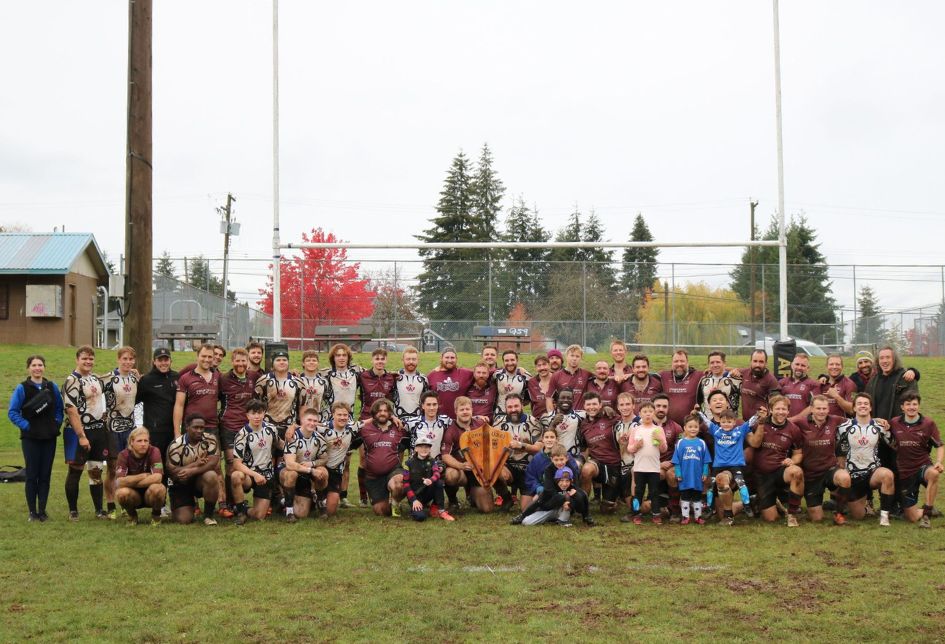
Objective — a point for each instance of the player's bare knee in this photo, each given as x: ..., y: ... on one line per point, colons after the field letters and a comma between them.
x: 931, y: 474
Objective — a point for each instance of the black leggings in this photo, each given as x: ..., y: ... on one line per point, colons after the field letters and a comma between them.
x: 691, y: 495
x: 554, y: 500
x: 39, y: 456
x: 651, y: 481
x: 430, y: 493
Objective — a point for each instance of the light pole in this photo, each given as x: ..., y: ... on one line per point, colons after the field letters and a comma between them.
x: 227, y: 227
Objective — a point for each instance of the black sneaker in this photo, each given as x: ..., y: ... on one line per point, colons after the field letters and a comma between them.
x: 241, y: 518
x: 43, y: 517
x: 517, y: 519
x: 73, y: 515
x: 33, y: 517
x: 102, y: 514
x: 290, y: 518
x: 590, y: 522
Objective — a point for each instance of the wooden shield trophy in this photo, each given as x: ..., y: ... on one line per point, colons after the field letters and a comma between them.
x: 486, y: 449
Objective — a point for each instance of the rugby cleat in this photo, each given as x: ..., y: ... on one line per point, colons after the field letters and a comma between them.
x: 446, y: 516
x: 884, y: 518
x: 791, y: 521
x: 924, y: 522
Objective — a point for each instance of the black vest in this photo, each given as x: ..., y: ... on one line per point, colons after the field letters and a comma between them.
x: 43, y: 426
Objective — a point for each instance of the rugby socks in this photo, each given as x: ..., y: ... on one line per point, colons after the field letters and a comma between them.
x: 794, y: 503
x: 451, y: 491
x: 886, y: 502
x: 97, y: 492
x: 362, y: 483
x: 289, y: 500
x: 840, y: 495
x: 242, y: 508
x: 208, y: 509
x: 72, y: 489
x: 110, y: 506
x: 697, y: 508
x: 685, y: 508
x: 927, y: 511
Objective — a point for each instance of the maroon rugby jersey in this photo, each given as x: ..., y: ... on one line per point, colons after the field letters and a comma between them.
x: 756, y: 391
x: 820, y: 445
x: 375, y: 387
x: 651, y: 387
x: 537, y: 396
x: 673, y: 433
x: 381, y: 448
x: 483, y: 399
x: 450, y: 444
x: 234, y: 395
x: 914, y: 442
x: 798, y: 393
x: 450, y: 385
x: 845, y: 387
x: 608, y: 391
x: 576, y: 382
x: 202, y: 396
x: 777, y: 444
x: 683, y: 392
x: 600, y: 439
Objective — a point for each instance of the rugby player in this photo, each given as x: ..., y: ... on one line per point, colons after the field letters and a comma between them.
x: 85, y: 439
x: 623, y: 430
x: 758, y: 384
x: 198, y: 392
x: 526, y: 434
x: 411, y: 384
x: 864, y: 370
x: 718, y: 378
x: 572, y: 377
x: 620, y: 370
x: 382, y: 446
x: 376, y: 383
x: 343, y: 375
x: 510, y: 380
x: 799, y: 388
x: 681, y: 385
x: 555, y: 360
x: 482, y: 393
x: 139, y: 472
x: 603, y: 385
x: 157, y: 391
x: 121, y: 390
x: 304, y: 472
x: 837, y: 387
x: 282, y: 394
x: 340, y: 438
x: 236, y: 390
x: 913, y: 436
x: 566, y: 421
x: 672, y: 431
x: 430, y: 424
x: 255, y: 352
x: 537, y: 387
x: 459, y: 472
x: 193, y: 460
x: 779, y: 452
x: 449, y: 382
x: 490, y: 355
x: 858, y: 441
x: 316, y: 391
x: 603, y: 459
x: 821, y: 469
x: 641, y: 385
x: 255, y: 451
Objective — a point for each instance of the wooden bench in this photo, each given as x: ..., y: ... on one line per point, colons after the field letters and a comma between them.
x: 189, y: 332
x: 502, y: 335
x: 354, y: 336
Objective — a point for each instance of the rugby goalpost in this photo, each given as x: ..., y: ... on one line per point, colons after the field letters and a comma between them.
x: 278, y: 246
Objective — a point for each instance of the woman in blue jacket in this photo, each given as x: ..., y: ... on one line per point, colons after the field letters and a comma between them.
x: 36, y: 408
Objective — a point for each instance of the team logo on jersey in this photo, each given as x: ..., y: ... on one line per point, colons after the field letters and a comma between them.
x: 863, y: 441
x: 508, y: 389
x: 345, y: 383
x: 448, y: 385
x: 410, y: 388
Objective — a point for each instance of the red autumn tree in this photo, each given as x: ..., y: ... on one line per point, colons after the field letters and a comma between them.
x: 319, y: 287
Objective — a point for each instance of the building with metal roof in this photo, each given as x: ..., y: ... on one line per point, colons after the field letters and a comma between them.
x: 49, y: 287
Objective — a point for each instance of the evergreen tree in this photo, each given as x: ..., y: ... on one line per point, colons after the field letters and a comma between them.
x: 487, y: 192
x: 570, y: 233
x: 165, y: 277
x: 454, y: 283
x: 869, y: 325
x: 599, y: 260
x: 201, y: 278
x: 811, y: 306
x: 638, y: 271
x: 523, y: 274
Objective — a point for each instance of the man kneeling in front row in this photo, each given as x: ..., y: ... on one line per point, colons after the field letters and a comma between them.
x: 138, y: 474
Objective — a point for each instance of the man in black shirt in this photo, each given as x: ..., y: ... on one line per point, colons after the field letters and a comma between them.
x: 157, y: 391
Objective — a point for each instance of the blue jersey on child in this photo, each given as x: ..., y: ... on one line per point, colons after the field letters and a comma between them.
x: 691, y: 459
x: 729, y: 446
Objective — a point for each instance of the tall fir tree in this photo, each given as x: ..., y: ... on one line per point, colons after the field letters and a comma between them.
x: 202, y: 279
x: 487, y: 192
x: 524, y: 271
x: 165, y: 276
x: 454, y: 283
x: 599, y: 260
x: 869, y: 324
x: 811, y: 305
x: 638, y: 270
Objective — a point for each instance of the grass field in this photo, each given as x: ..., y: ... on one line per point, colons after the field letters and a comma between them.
x: 363, y: 578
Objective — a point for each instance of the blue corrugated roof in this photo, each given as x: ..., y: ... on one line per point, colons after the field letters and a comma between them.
x: 45, y: 253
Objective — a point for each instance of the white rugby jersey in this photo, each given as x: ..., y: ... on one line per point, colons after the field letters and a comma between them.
x: 509, y: 383
x: 621, y: 429
x: 120, y: 393
x: 527, y: 430
x: 860, y: 446
x: 316, y: 394
x: 86, y: 394
x: 567, y: 429
x: 337, y: 444
x: 255, y: 448
x: 410, y: 386
x: 344, y: 384
x: 422, y: 427
x: 304, y: 449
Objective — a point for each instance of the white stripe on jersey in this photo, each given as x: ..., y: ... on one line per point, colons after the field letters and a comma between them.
x: 434, y: 430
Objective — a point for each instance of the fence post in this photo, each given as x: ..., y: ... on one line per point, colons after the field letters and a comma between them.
x: 673, y: 303
x: 490, y: 290
x: 584, y: 304
x: 396, y: 308
x: 302, y: 305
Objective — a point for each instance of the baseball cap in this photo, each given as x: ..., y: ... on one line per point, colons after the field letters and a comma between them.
x: 863, y: 355
x: 280, y: 353
x: 564, y: 472
x: 161, y: 352
x: 555, y: 352
x: 423, y: 440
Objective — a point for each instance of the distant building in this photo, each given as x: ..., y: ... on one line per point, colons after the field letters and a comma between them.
x: 48, y: 288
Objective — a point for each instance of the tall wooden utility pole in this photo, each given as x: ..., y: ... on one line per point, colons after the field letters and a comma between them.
x: 138, y: 239
x: 751, y: 263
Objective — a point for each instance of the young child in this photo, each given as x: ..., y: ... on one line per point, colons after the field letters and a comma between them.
x: 646, y: 443
x: 729, y: 460
x: 539, y: 463
x: 557, y: 496
x: 423, y: 482
x: 691, y: 462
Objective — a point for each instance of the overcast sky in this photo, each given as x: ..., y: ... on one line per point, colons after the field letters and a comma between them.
x: 661, y: 108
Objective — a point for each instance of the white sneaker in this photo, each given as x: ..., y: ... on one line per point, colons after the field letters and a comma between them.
x: 165, y: 513
x: 884, y: 518
x: 791, y: 521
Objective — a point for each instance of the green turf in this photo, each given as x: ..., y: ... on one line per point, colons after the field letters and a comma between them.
x: 364, y: 578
